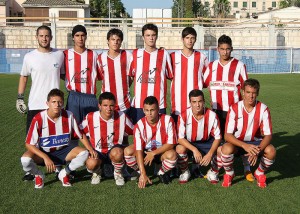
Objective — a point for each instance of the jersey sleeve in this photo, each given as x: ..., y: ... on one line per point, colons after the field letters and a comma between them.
x: 76, y: 132
x: 216, y: 131
x: 128, y: 126
x: 169, y: 69
x: 230, y: 121
x: 132, y: 62
x: 207, y: 76
x: 100, y: 71
x: 139, y: 143
x: 84, y: 126
x: 33, y: 133
x: 25, y: 67
x: 243, y: 75
x: 266, y: 125
x: 172, y: 139
x: 181, y: 128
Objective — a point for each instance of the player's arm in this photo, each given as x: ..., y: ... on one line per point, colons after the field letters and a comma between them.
x: 197, y: 155
x: 48, y: 162
x: 20, y: 104
x: 249, y: 148
x: 88, y: 146
x: 143, y: 179
x: 207, y: 158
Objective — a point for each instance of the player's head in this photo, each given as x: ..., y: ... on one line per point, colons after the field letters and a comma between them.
x: 44, y: 36
x: 150, y: 32
x: 250, y: 91
x: 55, y: 101
x: 188, y: 31
x: 107, y: 104
x: 151, y: 109
x: 189, y: 36
x: 114, y: 39
x: 225, y: 47
x: 79, y: 35
x: 197, y: 101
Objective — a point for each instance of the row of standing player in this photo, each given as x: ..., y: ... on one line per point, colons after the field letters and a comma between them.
x: 149, y: 68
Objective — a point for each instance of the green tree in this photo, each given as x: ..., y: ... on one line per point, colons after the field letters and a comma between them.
x: 221, y: 8
x: 100, y: 8
x: 289, y: 3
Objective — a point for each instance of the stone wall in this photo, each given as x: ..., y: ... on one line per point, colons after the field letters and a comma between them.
x: 169, y: 38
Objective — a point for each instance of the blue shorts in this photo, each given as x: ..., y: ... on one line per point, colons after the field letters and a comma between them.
x: 81, y: 104
x: 137, y: 113
x: 59, y: 156
x: 105, y: 156
x: 241, y: 151
x: 202, y: 146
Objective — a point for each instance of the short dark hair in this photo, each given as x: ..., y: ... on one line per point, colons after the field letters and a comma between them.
x: 253, y: 83
x: 55, y: 93
x: 43, y: 27
x: 78, y: 28
x: 150, y: 26
x: 188, y: 30
x: 224, y: 40
x: 106, y: 96
x: 196, y: 93
x: 150, y: 100
x: 115, y: 31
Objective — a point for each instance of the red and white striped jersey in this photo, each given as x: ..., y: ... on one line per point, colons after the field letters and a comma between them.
x: 150, y: 72
x: 225, y: 83
x: 48, y: 134
x: 81, y: 71
x: 104, y: 134
x: 198, y: 130
x: 188, y: 75
x: 147, y: 137
x: 248, y: 126
x: 113, y: 72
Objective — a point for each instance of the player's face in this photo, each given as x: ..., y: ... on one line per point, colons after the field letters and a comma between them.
x: 114, y: 43
x: 151, y: 112
x: 197, y: 105
x: 107, y: 108
x: 225, y: 51
x: 189, y: 41
x: 150, y: 38
x: 55, y: 105
x: 250, y: 95
x: 44, y: 38
x: 79, y: 39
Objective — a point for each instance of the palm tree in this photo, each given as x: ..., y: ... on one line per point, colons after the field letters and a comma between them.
x: 221, y: 8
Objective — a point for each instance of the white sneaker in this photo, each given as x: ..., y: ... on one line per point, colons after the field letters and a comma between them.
x: 64, y: 178
x: 39, y: 181
x: 212, y: 177
x: 96, y: 178
x: 119, y: 179
x: 184, y: 177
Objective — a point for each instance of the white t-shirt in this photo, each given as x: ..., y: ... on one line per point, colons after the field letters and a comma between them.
x: 45, y: 70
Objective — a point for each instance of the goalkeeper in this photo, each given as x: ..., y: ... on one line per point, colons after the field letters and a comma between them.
x: 45, y: 65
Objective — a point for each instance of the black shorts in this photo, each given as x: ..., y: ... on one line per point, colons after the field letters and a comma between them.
x: 104, y: 157
x: 241, y: 151
x: 59, y: 156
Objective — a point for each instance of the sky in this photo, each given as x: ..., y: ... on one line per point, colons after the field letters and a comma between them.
x: 130, y: 4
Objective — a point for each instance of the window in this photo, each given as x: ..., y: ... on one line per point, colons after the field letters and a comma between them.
x: 67, y: 14
x: 245, y: 4
x: 235, y: 4
x: 253, y: 4
x: 273, y: 3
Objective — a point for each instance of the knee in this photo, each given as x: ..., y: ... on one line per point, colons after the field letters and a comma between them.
x: 129, y: 150
x: 227, y: 149
x: 92, y: 164
x: 171, y: 155
x: 270, y: 152
x: 116, y: 154
x: 180, y: 149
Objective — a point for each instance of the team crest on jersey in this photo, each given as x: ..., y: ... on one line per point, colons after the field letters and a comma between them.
x: 153, y: 145
x: 55, y: 141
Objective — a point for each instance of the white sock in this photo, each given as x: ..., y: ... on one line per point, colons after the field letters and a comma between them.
x: 29, y: 166
x: 79, y: 160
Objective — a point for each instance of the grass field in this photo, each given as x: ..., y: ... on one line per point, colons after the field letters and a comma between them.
x: 280, y: 92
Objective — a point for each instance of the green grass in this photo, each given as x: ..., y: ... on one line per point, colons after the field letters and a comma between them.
x: 280, y: 92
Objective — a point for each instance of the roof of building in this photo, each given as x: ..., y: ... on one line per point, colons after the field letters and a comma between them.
x: 53, y: 3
